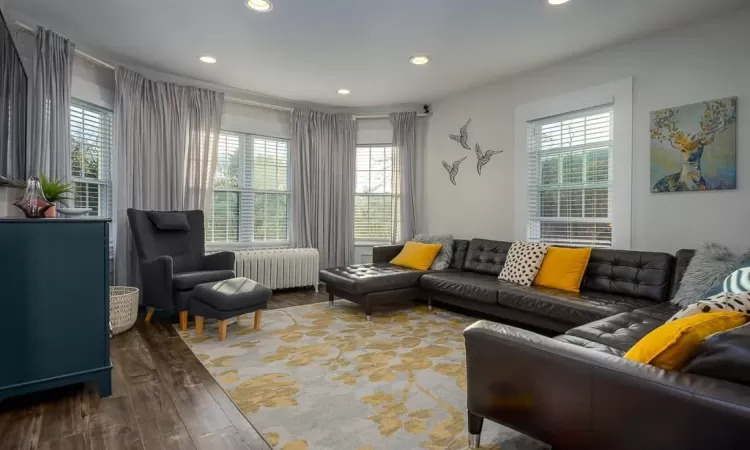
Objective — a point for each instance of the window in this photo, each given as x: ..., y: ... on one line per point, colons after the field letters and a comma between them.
x: 570, y: 178
x: 376, y: 201
x: 91, y: 151
x: 251, y: 191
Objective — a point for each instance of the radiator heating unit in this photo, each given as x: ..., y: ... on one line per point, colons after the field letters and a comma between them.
x: 280, y: 268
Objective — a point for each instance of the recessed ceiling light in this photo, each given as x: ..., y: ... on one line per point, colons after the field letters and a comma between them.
x: 557, y: 2
x: 208, y: 59
x: 260, y: 5
x: 344, y: 91
x: 419, y: 60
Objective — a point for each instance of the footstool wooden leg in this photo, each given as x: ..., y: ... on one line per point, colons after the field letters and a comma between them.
x: 222, y: 330
x: 183, y: 320
x: 198, y: 325
x: 256, y: 323
x: 149, y: 313
x: 330, y: 300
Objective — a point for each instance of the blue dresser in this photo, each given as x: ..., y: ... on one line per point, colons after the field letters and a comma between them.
x: 54, y: 304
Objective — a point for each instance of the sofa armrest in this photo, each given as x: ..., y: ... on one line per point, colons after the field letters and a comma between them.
x: 572, y: 397
x: 219, y: 261
x: 385, y: 253
x: 156, y: 281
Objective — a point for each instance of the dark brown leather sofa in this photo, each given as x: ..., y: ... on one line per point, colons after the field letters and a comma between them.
x: 573, y: 391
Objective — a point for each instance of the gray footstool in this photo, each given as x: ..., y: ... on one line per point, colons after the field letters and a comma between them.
x: 226, y: 299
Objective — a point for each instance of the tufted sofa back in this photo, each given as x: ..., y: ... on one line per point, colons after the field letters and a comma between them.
x: 485, y: 256
x: 644, y: 275
x: 460, y: 247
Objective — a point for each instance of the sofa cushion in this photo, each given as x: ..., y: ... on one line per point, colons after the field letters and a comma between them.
x: 621, y: 331
x: 443, y: 259
x: 569, y: 307
x: 367, y: 278
x: 522, y: 262
x: 460, y: 248
x: 487, y: 257
x: 724, y: 355
x: 659, y: 311
x: 470, y: 285
x: 188, y: 280
x: 590, y: 345
x: 634, y: 274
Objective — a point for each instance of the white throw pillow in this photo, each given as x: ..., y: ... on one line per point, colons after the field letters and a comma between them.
x: 523, y: 262
x: 723, y: 302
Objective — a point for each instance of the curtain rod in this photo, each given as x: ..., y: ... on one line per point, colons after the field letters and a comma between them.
x: 83, y: 55
x: 234, y: 100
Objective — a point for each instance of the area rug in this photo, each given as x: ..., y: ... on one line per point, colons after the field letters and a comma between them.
x: 322, y: 378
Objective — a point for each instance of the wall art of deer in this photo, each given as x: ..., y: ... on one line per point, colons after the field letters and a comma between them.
x: 718, y: 117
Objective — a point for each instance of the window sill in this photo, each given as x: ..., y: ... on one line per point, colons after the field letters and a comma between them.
x: 373, y: 243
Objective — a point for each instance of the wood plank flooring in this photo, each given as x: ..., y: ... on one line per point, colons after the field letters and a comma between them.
x: 162, y: 398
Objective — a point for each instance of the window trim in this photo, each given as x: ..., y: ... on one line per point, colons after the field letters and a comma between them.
x: 620, y: 94
x: 216, y: 246
x: 370, y: 242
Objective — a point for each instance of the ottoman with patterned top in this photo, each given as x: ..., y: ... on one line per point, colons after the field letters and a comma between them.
x: 226, y: 299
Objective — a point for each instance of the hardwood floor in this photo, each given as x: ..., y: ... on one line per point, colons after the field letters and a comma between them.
x: 162, y: 398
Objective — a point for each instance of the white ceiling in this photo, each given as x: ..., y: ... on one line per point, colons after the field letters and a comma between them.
x: 304, y: 50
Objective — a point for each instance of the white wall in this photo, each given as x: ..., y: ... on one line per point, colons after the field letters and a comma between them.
x: 695, y: 63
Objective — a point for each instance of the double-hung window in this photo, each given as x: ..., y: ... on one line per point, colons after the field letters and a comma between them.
x: 91, y: 151
x: 570, y: 178
x: 251, y: 191
x: 377, y: 195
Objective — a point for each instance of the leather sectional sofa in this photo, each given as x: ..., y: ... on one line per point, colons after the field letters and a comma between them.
x: 615, y: 281
x: 572, y: 391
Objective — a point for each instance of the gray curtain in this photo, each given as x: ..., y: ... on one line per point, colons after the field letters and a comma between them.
x: 166, y: 140
x: 322, y: 159
x: 405, y: 138
x: 13, y: 88
x: 49, y: 130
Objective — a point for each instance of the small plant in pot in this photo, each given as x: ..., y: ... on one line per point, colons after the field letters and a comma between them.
x: 54, y: 191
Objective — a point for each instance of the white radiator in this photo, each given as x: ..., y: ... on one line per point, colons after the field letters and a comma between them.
x: 280, y: 268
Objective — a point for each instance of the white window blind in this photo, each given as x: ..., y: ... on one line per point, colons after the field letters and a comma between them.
x: 251, y: 191
x: 376, y: 201
x: 91, y: 151
x: 570, y: 178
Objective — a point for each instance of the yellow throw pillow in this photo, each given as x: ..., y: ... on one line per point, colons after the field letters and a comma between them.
x: 673, y: 344
x: 416, y: 255
x: 563, y: 268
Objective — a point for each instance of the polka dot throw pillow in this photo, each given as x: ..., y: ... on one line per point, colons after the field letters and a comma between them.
x: 523, y: 262
x: 723, y: 302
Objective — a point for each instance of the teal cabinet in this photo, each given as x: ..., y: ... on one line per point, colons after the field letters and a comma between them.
x: 54, y: 304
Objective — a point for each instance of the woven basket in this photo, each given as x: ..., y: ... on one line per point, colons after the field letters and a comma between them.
x: 123, y: 308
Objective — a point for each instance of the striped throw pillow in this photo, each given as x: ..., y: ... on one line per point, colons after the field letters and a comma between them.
x: 739, y: 280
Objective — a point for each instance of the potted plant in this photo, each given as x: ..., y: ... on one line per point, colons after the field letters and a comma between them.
x: 54, y: 191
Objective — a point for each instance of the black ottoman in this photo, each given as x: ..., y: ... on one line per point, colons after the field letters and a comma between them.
x: 226, y: 299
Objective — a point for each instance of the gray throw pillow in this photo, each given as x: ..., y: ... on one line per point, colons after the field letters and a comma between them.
x: 711, y: 264
x: 443, y: 259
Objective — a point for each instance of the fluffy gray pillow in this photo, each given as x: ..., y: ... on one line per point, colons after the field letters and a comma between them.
x: 443, y: 259
x: 711, y: 264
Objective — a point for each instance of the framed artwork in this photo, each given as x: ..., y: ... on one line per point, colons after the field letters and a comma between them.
x: 694, y: 147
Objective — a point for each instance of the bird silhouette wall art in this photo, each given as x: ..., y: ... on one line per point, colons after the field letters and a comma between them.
x: 453, y: 169
x: 463, y: 136
x: 483, y: 158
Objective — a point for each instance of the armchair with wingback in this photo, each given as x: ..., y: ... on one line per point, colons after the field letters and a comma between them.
x: 171, y: 248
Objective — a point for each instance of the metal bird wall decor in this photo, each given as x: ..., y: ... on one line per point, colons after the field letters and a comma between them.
x: 483, y: 158
x: 453, y: 169
x: 463, y: 136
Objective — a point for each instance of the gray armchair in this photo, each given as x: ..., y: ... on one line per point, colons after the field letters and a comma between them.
x: 171, y: 248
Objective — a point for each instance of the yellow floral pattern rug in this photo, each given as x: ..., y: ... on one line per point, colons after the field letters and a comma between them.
x: 323, y: 378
